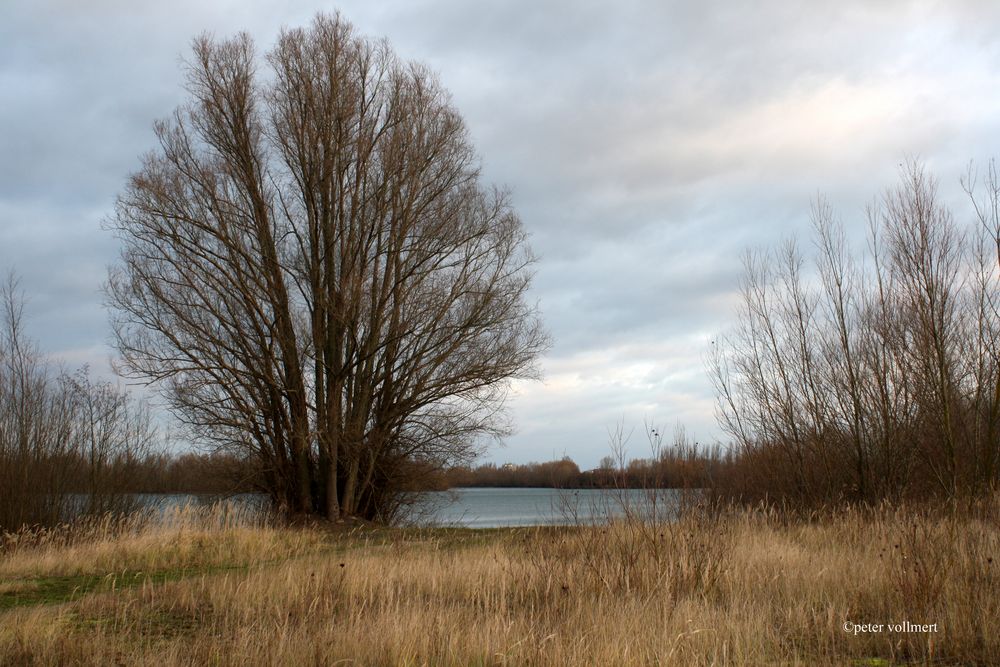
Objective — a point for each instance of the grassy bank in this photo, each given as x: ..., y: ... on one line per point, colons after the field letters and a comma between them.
x: 742, y: 588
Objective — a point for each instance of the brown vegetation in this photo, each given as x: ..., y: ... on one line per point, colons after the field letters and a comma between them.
x: 683, y: 465
x: 216, y: 473
x: 68, y: 444
x: 873, y: 377
x: 724, y: 588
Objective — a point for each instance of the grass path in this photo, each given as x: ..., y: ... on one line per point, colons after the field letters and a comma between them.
x: 34, y: 591
x: 29, y: 591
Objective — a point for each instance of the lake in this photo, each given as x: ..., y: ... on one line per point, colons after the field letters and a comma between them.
x: 497, y: 507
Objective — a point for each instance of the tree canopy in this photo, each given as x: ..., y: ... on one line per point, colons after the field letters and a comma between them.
x: 314, y: 271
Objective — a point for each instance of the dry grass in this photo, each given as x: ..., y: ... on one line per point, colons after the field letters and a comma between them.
x: 744, y: 588
x: 186, y: 537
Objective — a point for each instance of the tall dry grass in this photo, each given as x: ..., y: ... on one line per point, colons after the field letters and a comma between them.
x: 740, y: 588
x: 188, y: 536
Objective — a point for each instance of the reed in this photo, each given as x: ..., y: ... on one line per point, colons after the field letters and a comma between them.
x: 735, y: 587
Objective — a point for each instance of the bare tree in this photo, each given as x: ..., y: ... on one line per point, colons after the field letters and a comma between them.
x: 984, y: 352
x: 35, y: 425
x: 926, y: 252
x: 313, y: 271
x: 111, y: 436
x: 872, y: 378
x: 68, y: 444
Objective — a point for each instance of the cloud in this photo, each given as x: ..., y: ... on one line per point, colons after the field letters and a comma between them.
x: 646, y: 144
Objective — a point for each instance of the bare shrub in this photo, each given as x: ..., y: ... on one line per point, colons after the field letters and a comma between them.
x: 870, y: 376
x: 68, y: 444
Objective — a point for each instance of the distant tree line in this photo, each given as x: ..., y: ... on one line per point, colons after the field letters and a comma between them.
x: 563, y: 473
x: 217, y: 474
x: 682, y: 465
x: 871, y: 376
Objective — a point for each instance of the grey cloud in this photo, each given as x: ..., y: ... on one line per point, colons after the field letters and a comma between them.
x: 646, y: 144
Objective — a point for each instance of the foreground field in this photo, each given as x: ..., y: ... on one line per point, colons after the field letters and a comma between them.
x: 739, y: 588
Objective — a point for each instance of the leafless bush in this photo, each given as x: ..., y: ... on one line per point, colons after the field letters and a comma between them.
x: 874, y: 376
x: 67, y: 443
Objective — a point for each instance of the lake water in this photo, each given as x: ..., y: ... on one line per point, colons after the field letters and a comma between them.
x: 494, y: 508
x: 500, y: 507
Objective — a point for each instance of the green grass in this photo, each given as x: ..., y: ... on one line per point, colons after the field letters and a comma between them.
x: 33, y: 591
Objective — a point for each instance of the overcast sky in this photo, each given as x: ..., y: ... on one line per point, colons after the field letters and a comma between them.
x: 646, y: 143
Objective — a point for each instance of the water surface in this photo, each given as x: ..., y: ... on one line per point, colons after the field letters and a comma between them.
x: 492, y: 507
x: 498, y: 507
